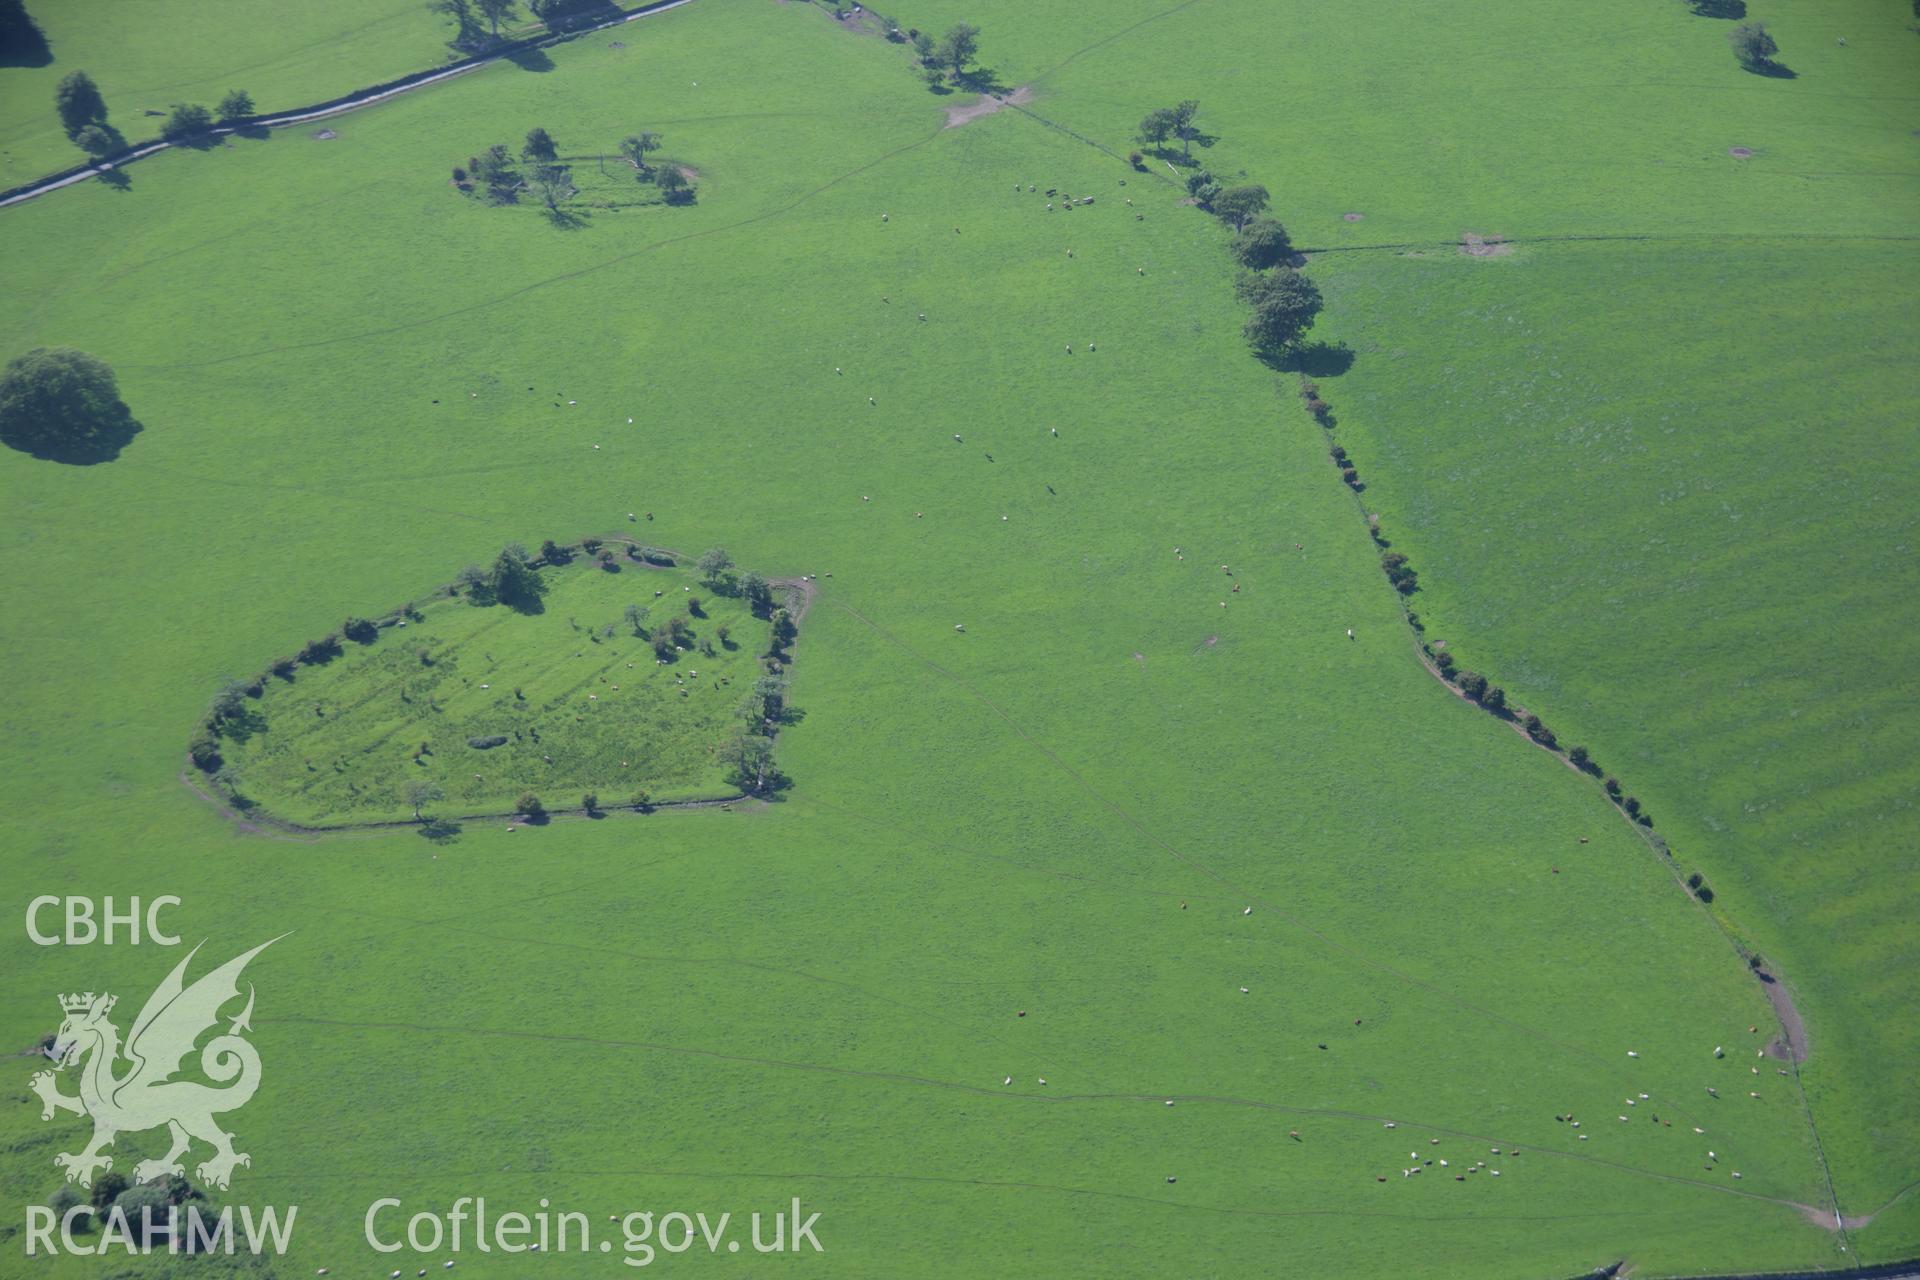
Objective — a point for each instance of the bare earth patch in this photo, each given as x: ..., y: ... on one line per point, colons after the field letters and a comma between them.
x: 325, y: 135
x: 1352, y: 217
x: 1792, y: 1045
x: 988, y: 104
x: 1475, y: 245
x: 1740, y: 153
x: 1824, y: 1218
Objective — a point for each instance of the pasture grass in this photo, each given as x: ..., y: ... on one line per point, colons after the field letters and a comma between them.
x: 1066, y: 808
x: 1679, y: 530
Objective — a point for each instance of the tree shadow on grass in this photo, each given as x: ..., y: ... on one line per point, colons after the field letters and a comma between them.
x: 439, y: 830
x: 983, y: 80
x: 1772, y: 70
x: 1718, y: 8
x: 102, y: 442
x: 531, y: 59
x: 116, y: 178
x: 1315, y: 359
x: 22, y: 44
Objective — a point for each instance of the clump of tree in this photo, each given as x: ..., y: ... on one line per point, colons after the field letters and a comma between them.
x: 749, y: 761
x: 511, y: 580
x: 758, y: 593
x: 236, y: 106
x: 1538, y: 731
x: 1261, y: 243
x: 1482, y: 691
x: 188, y: 122
x: 360, y: 630
x: 671, y: 639
x: 952, y: 55
x: 768, y: 701
x: 1284, y: 303
x: 63, y: 405
x: 316, y: 653
x: 716, y: 568
x: 1754, y: 47
x: 1202, y: 187
x: 530, y: 807
x: 539, y: 147
x: 1241, y: 204
x: 784, y: 631
x: 1402, y: 575
x: 494, y: 170
x: 1166, y: 124
x: 78, y: 100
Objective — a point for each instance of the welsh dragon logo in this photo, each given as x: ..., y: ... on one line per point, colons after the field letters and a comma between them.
x: 145, y: 1095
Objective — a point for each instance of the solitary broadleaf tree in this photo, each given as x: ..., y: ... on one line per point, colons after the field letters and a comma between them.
x: 1183, y: 126
x: 1284, y: 306
x: 957, y: 48
x: 1262, y: 243
x: 64, y: 405
x: 554, y: 185
x: 237, y: 105
x: 715, y: 565
x: 189, y: 120
x: 638, y: 146
x: 1157, y: 127
x: 79, y: 103
x: 421, y: 794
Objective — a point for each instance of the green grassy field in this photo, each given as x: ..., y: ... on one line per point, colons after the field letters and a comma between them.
x: 1121, y: 795
x: 570, y: 699
x: 1687, y: 549
x: 149, y: 56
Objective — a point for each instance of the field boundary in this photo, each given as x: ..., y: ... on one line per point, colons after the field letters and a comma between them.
x: 260, y: 822
x: 353, y: 101
x: 1796, y: 1048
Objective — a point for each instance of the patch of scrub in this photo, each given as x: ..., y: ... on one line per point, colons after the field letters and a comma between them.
x: 1475, y: 245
